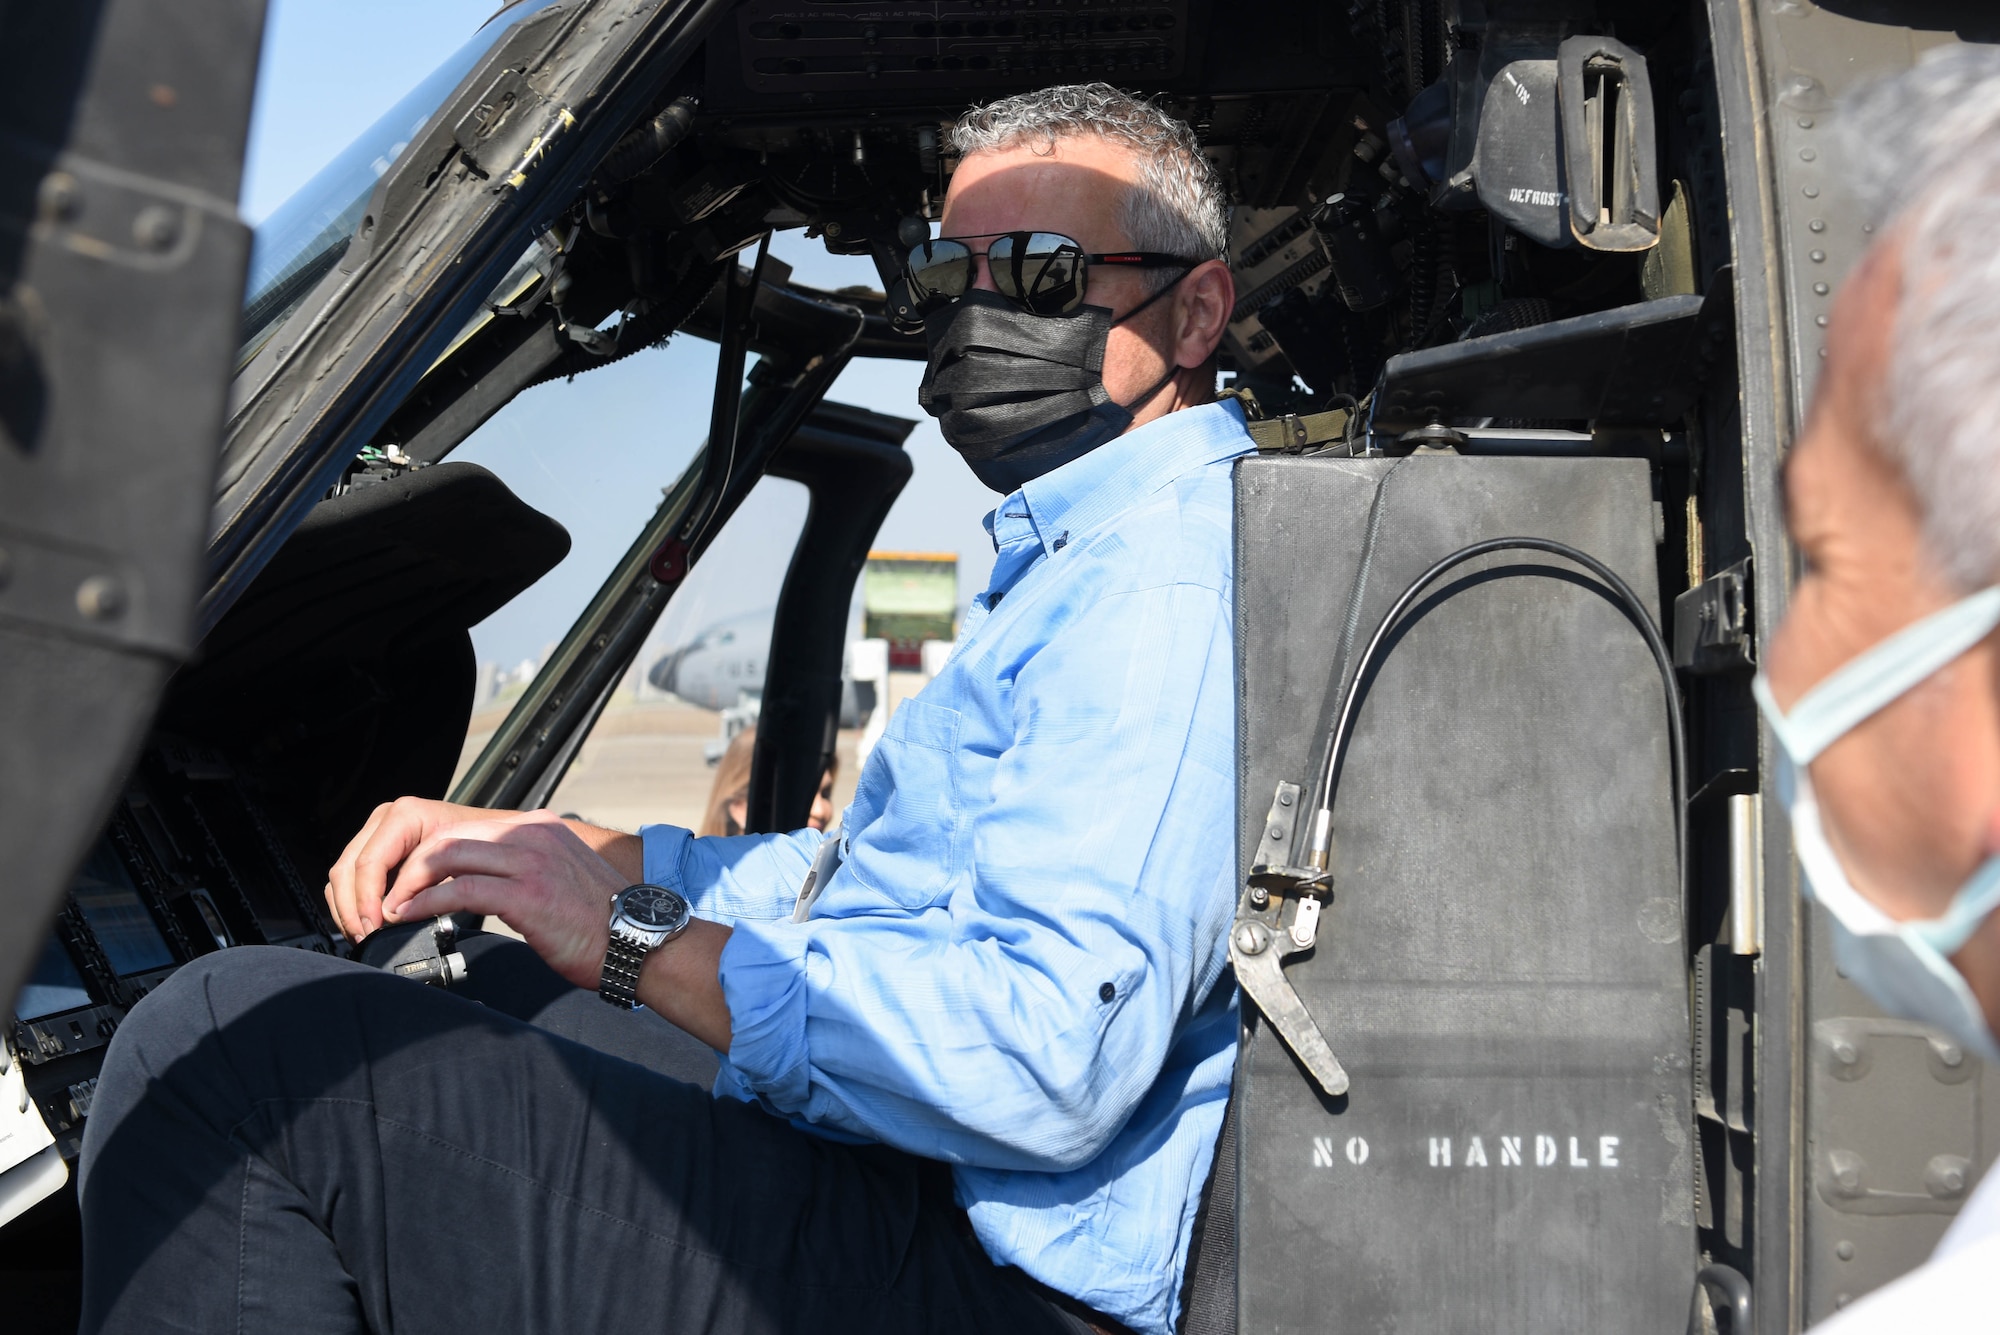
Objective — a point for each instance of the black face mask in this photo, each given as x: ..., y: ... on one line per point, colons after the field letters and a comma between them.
x: 1018, y: 395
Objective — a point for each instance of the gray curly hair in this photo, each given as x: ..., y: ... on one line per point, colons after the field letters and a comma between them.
x: 1925, y: 149
x: 1181, y: 207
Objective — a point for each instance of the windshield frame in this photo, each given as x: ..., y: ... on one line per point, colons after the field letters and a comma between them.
x: 304, y: 238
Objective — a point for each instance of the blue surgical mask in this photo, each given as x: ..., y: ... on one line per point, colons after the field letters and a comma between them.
x: 1904, y: 966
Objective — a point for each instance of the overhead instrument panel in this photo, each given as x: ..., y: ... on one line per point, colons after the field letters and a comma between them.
x: 796, y: 46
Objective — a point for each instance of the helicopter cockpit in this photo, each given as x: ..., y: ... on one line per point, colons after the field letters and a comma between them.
x: 1494, y: 250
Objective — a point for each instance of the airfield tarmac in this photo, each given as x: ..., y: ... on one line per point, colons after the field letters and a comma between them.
x: 643, y: 763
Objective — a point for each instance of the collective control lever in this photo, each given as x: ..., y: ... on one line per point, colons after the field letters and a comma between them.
x: 1277, y: 917
x: 427, y: 955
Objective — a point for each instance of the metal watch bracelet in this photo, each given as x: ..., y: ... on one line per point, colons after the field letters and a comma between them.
x: 619, y: 982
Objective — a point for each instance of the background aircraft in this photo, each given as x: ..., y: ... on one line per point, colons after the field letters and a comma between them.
x: 719, y: 663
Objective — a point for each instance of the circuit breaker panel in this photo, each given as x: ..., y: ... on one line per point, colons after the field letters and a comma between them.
x: 1501, y: 965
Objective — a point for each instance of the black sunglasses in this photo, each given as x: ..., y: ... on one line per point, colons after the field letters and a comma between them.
x: 1044, y: 273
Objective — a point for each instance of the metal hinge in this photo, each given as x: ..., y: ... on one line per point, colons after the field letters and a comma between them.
x: 1714, y: 630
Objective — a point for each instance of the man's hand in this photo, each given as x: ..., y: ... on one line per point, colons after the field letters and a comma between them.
x: 356, y: 883
x: 541, y: 876
x: 530, y: 869
x: 549, y: 879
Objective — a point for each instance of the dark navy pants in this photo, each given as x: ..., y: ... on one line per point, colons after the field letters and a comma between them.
x: 285, y: 1142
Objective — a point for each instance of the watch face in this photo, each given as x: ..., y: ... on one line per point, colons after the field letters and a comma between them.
x: 652, y: 907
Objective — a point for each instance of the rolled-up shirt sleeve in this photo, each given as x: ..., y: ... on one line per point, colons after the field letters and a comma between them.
x: 733, y: 878
x: 1016, y: 1018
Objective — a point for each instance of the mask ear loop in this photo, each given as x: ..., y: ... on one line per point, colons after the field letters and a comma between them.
x: 1866, y: 684
x: 1150, y: 300
x: 1147, y: 397
x: 1173, y: 370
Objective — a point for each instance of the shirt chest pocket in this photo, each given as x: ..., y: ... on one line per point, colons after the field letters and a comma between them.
x: 905, y: 844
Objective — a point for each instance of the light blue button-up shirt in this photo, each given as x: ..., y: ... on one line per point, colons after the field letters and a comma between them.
x: 1019, y: 968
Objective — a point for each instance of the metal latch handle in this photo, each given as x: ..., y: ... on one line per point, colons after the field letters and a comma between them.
x: 1278, y: 916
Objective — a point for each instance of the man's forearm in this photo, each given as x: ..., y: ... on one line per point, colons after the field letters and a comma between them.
x: 623, y: 851
x: 682, y: 983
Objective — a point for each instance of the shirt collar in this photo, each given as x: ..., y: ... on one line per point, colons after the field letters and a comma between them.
x: 1088, y: 490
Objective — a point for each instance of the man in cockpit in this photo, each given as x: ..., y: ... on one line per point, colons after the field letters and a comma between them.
x: 970, y: 1080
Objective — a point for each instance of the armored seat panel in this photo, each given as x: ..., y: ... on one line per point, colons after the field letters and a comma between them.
x: 1502, y: 965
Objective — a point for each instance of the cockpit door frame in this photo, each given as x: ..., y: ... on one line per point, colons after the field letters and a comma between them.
x: 805, y: 342
x: 121, y: 281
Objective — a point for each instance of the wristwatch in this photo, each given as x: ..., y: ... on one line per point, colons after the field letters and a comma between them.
x: 643, y: 918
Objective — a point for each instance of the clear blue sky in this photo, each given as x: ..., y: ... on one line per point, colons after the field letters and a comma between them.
x: 594, y: 452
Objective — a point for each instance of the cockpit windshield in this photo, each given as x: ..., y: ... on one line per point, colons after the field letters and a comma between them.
x: 307, y: 234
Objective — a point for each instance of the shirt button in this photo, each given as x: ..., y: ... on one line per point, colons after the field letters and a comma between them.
x: 1107, y: 993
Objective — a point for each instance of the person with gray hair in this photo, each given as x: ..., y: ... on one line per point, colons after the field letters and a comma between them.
x: 970, y: 1056
x: 1063, y: 195
x: 1882, y: 684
